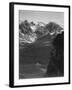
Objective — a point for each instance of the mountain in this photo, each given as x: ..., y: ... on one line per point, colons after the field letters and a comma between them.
x: 25, y: 27
x: 29, y: 32
x: 41, y: 24
x: 53, y: 27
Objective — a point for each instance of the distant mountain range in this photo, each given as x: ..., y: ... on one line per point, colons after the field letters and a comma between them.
x: 29, y: 32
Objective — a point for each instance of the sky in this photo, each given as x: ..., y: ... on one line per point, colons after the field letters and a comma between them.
x: 41, y: 16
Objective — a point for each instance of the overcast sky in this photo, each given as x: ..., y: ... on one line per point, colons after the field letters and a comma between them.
x: 41, y: 16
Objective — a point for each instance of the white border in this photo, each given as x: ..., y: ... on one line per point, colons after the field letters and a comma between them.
x: 16, y: 46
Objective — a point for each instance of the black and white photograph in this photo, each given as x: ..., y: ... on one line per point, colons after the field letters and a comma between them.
x: 41, y: 44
